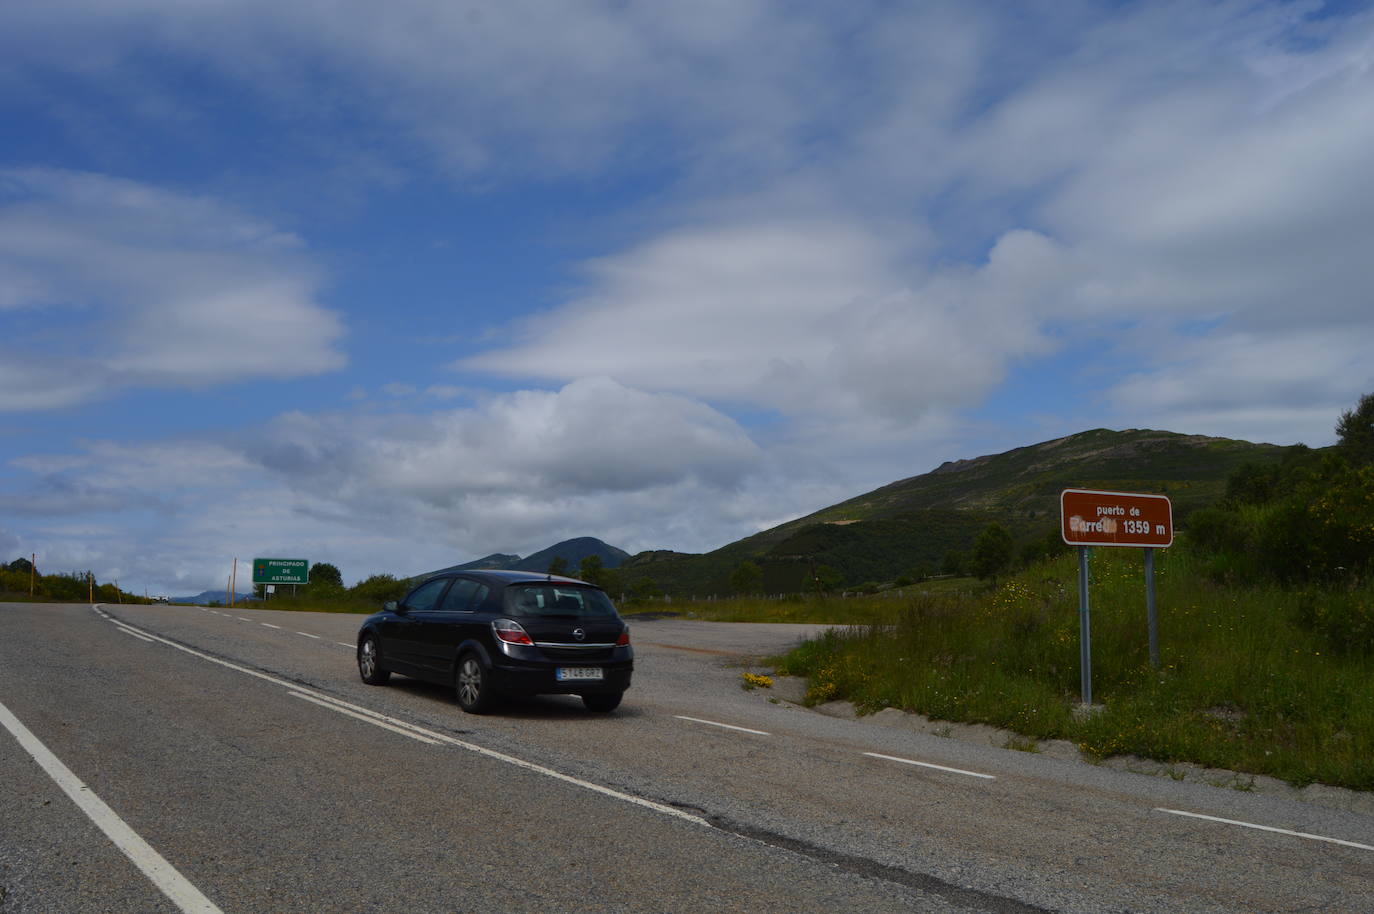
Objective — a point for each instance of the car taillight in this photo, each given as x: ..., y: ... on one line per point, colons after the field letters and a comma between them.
x: 624, y: 638
x: 510, y: 632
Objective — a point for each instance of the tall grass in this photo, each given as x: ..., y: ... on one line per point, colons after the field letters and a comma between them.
x: 1252, y: 678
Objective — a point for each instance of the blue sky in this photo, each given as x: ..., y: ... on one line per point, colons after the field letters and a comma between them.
x: 398, y: 285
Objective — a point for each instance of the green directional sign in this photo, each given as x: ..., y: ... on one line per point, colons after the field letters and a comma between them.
x: 280, y: 571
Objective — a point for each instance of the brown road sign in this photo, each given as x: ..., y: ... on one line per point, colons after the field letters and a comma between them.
x: 1092, y: 518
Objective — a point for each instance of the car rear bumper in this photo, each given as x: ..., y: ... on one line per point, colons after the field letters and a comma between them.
x: 542, y: 680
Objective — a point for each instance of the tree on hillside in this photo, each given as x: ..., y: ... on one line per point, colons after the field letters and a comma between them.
x: 1046, y: 547
x: 592, y: 570
x: 559, y: 565
x: 955, y: 562
x: 992, y: 552
x: 325, y: 573
x: 380, y: 587
x: 644, y: 589
x: 746, y: 577
x: 1252, y: 484
x: 1355, y: 432
x: 20, y: 564
x: 825, y: 579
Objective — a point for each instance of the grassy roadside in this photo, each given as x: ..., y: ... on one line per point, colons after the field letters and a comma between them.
x: 873, y: 609
x: 1259, y: 679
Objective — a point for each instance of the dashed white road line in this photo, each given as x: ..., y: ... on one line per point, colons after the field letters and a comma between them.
x: 712, y: 723
x: 908, y: 761
x: 1270, y: 828
x: 153, y: 865
x: 245, y: 619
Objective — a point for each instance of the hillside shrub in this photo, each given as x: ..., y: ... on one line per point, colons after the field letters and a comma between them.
x: 1319, y: 531
x: 379, y: 588
x: 1345, y: 620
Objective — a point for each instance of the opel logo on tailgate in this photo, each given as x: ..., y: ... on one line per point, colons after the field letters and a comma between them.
x: 579, y: 634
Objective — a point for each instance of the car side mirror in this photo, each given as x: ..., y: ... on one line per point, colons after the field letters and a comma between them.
x: 391, y: 606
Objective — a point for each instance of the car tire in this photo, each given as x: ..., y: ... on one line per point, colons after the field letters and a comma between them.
x: 473, y: 685
x: 603, y: 702
x: 369, y: 662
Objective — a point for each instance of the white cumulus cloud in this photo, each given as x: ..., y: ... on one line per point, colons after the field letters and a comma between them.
x: 107, y: 284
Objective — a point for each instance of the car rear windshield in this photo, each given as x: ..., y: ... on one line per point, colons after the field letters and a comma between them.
x: 557, y: 600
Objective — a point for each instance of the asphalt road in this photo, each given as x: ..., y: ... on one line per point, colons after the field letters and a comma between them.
x: 232, y: 760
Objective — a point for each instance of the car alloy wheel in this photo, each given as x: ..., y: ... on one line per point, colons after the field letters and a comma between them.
x: 473, y: 694
x: 368, y: 667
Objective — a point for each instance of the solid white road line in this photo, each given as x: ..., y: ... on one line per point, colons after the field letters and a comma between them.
x: 1281, y: 831
x: 712, y: 723
x: 367, y: 720
x: 130, y: 631
x: 471, y: 747
x: 907, y: 761
x: 163, y: 875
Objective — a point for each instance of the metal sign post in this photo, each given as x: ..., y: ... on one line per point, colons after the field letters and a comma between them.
x: 1085, y: 636
x: 1089, y: 517
x: 1150, y: 617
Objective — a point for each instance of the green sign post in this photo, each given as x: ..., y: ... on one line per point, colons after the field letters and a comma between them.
x: 280, y: 571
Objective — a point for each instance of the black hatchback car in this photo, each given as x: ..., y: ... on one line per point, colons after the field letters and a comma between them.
x: 493, y: 633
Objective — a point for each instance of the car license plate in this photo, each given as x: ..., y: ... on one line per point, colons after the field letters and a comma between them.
x: 566, y: 673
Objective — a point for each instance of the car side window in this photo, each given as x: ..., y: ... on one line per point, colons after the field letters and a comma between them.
x: 459, y: 598
x: 426, y: 596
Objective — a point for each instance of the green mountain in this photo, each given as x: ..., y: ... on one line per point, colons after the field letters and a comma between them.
x: 572, y: 552
x: 915, y: 522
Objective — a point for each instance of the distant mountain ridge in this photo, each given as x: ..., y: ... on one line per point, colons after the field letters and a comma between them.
x: 914, y: 522
x: 206, y: 597
x: 495, y: 560
x: 889, y: 531
x: 572, y: 552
